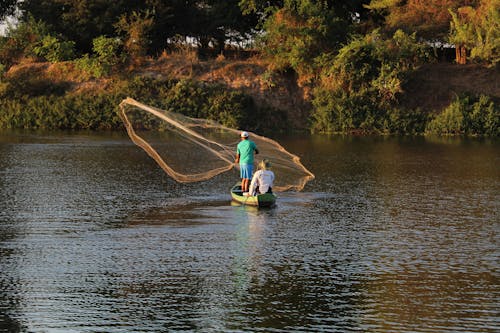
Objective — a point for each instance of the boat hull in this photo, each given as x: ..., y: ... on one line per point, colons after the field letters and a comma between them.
x: 261, y: 200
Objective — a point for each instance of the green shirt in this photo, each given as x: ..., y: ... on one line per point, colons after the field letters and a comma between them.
x: 245, y: 149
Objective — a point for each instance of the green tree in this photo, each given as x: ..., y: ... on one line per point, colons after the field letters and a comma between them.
x: 53, y: 49
x: 429, y: 19
x: 210, y: 22
x: 214, y: 22
x: 20, y: 40
x: 360, y: 85
x: 477, y: 30
x: 300, y: 32
x: 136, y: 27
x: 80, y: 20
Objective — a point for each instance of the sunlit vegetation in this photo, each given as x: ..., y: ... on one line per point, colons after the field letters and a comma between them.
x: 351, y: 58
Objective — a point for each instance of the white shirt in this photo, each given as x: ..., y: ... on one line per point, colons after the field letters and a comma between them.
x: 263, y: 179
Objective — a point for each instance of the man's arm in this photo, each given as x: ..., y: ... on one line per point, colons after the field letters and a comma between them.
x: 237, y: 158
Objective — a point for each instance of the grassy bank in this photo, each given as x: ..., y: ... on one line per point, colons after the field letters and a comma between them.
x: 438, y: 98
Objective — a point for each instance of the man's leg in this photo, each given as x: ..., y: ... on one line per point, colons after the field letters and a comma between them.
x: 244, y: 184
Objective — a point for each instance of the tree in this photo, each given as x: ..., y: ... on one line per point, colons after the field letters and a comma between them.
x: 21, y: 40
x: 7, y: 7
x: 136, y: 27
x: 477, y: 30
x: 213, y: 22
x: 430, y: 19
x: 80, y: 20
x: 208, y: 21
x: 298, y: 32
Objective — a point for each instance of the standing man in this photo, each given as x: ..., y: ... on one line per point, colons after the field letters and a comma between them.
x: 244, y: 155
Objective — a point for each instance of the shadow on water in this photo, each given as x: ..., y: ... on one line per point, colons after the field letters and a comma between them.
x: 214, y: 209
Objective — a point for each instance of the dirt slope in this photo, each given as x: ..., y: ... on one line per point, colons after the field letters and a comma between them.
x: 434, y: 86
x: 430, y: 88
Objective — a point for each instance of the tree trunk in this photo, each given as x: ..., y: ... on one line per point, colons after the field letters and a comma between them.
x: 461, y: 54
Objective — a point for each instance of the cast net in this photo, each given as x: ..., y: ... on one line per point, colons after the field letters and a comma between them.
x: 193, y: 150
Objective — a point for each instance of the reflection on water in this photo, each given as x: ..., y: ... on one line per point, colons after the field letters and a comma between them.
x: 393, y: 235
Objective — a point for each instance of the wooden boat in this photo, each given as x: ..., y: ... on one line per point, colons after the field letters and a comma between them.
x: 260, y: 200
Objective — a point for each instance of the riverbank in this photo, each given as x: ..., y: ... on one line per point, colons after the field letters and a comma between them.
x: 266, y: 100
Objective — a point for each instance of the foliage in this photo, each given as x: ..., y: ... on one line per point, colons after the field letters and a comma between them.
x: 54, y: 50
x: 404, y: 122
x: 299, y: 33
x: 80, y: 21
x: 98, y: 110
x: 230, y: 108
x: 355, y: 79
x: 429, y: 19
x: 360, y: 85
x: 54, y: 112
x: 136, y: 28
x: 108, y: 50
x: 3, y: 69
x: 107, y: 53
x: 468, y: 115
x: 20, y: 40
x: 478, y: 29
x: 7, y: 7
x: 206, y: 21
x: 91, y: 66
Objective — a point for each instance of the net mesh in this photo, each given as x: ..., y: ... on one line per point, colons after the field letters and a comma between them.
x: 192, y: 150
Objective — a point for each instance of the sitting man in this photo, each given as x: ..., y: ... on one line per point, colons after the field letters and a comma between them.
x: 262, y: 181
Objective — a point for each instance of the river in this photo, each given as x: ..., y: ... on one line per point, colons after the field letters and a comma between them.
x: 395, y: 234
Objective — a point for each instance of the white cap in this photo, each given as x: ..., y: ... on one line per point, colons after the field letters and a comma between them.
x: 244, y: 134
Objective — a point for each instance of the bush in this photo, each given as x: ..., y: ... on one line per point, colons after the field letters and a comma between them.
x: 55, y: 112
x: 189, y: 98
x: 99, y: 110
x: 230, y: 108
x: 91, y: 66
x: 398, y: 121
x: 469, y: 116
x: 108, y: 50
x: 54, y: 50
x: 360, y: 85
x: 21, y: 40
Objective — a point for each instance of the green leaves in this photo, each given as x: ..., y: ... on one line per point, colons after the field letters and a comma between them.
x: 54, y: 50
x: 359, y: 86
x: 468, y: 115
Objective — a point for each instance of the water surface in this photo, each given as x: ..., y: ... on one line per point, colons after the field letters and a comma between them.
x: 393, y: 235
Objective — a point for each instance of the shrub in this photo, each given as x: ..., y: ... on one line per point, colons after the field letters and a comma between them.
x: 99, y: 110
x: 398, y: 121
x: 22, y: 39
x: 91, y: 66
x: 108, y: 50
x: 107, y: 54
x: 362, y: 82
x: 230, y: 108
x: 54, y: 50
x: 468, y: 115
x: 188, y: 98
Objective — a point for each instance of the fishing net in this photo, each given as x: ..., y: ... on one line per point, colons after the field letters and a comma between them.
x: 193, y: 150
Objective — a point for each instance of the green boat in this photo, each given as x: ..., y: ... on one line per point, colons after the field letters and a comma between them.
x: 260, y: 200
